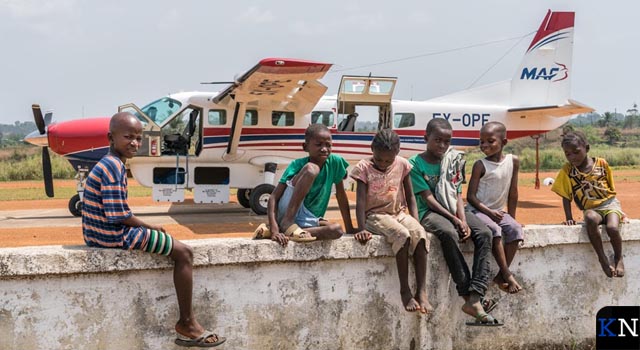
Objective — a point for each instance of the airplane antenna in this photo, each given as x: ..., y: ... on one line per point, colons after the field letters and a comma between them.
x: 432, y: 53
x: 498, y: 61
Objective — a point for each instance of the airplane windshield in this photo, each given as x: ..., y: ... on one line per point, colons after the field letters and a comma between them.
x: 161, y: 109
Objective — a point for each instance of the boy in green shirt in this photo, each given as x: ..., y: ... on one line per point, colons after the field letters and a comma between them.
x: 300, y: 199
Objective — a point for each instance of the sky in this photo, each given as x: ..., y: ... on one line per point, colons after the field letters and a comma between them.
x: 84, y: 58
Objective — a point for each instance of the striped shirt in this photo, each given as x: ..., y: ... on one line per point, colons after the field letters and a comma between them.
x: 104, y: 207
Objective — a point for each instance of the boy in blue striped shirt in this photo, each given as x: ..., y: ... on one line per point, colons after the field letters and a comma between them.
x: 107, y: 222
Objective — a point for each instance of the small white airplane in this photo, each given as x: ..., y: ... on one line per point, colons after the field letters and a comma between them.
x: 244, y: 136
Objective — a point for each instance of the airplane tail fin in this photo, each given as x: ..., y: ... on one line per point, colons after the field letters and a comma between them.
x: 544, y: 76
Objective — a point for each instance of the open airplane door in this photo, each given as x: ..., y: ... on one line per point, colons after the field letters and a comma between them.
x: 365, y: 100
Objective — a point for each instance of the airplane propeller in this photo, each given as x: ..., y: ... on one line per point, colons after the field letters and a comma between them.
x: 42, y: 123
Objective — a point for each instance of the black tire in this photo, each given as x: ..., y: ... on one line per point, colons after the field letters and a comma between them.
x: 244, y: 197
x: 260, y: 198
x: 75, y: 205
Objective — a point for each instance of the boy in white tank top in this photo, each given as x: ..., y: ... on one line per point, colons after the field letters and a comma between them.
x: 494, y: 185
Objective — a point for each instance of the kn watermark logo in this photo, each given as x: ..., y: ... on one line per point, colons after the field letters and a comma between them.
x: 617, y: 328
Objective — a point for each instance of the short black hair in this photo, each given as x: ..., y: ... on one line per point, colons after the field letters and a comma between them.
x: 437, y: 123
x: 574, y: 137
x: 497, y: 126
x: 386, y: 140
x: 313, y: 130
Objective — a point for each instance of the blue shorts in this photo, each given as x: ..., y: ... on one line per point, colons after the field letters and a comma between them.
x: 304, y: 217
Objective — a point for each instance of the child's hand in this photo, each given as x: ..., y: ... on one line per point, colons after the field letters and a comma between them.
x: 463, y: 229
x: 280, y: 238
x: 570, y: 222
x: 496, y: 215
x: 157, y: 228
x: 363, y: 236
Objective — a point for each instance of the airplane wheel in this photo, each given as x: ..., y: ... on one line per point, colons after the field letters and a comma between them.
x: 260, y: 198
x: 244, y: 197
x: 75, y: 205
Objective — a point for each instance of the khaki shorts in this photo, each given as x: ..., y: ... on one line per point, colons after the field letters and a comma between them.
x: 397, y: 229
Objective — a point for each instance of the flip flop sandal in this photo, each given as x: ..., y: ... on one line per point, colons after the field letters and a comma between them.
x: 489, y: 304
x: 200, y: 342
x: 483, y: 319
x: 262, y: 231
x: 297, y: 234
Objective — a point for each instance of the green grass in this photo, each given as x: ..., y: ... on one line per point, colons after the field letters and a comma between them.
x: 19, y: 194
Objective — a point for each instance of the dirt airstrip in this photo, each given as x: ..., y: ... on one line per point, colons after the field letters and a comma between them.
x: 535, y: 207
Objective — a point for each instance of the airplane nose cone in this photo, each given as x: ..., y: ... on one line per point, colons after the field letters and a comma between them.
x: 35, y: 138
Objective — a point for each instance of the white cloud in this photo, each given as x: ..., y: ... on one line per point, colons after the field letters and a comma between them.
x: 36, y: 8
x: 256, y: 15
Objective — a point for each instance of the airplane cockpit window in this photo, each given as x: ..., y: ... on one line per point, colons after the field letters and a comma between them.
x: 217, y: 117
x: 181, y: 134
x: 250, y: 117
x: 161, y: 109
x: 403, y: 120
x: 279, y: 118
x: 322, y: 117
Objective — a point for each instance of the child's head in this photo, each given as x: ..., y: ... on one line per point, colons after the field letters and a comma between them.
x: 317, y: 142
x: 125, y: 135
x: 493, y: 137
x: 438, y: 137
x: 385, y: 147
x: 575, y: 147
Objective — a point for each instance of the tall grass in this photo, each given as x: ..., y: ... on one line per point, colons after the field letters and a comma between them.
x: 553, y: 158
x: 26, y: 164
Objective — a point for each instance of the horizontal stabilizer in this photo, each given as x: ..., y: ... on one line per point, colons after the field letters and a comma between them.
x: 571, y: 108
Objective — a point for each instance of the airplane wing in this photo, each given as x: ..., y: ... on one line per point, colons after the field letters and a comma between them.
x: 570, y: 108
x: 279, y: 84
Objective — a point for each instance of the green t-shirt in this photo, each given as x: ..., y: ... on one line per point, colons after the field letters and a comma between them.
x: 333, y: 171
x: 424, y: 176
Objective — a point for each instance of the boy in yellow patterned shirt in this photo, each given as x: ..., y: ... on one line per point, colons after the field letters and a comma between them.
x: 589, y: 182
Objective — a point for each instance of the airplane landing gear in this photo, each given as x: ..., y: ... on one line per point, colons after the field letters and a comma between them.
x: 244, y: 197
x: 259, y: 198
x: 75, y: 205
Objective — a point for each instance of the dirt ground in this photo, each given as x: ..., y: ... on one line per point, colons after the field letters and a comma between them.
x: 539, y: 206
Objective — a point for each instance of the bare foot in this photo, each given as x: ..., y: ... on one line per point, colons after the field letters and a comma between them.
x: 513, y: 286
x: 425, y: 306
x: 501, y: 283
x: 607, y: 268
x: 619, y: 272
x: 410, y: 304
x: 472, y: 309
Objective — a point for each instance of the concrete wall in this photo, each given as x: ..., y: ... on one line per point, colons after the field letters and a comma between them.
x: 321, y: 295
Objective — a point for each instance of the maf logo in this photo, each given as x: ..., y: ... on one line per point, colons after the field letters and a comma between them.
x: 617, y: 328
x: 559, y: 72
